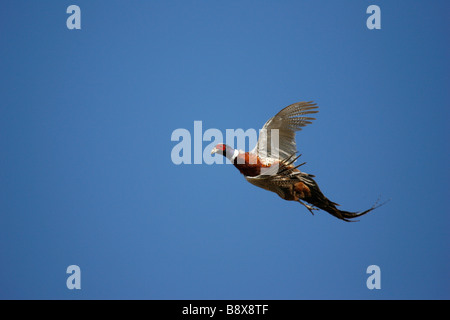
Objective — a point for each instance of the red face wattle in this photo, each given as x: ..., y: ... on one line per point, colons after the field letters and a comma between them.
x: 221, y: 147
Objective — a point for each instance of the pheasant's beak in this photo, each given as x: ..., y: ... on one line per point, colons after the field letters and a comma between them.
x: 214, y: 150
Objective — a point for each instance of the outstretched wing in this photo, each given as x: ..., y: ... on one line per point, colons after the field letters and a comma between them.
x: 286, y: 122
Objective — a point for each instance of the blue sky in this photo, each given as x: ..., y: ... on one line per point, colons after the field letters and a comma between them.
x: 86, y: 177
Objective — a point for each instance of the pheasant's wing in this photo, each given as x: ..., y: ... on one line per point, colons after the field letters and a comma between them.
x: 285, y: 123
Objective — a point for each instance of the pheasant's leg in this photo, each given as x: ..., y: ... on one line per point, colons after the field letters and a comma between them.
x: 310, y: 208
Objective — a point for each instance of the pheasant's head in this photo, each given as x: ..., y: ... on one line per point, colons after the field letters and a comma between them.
x: 223, y: 149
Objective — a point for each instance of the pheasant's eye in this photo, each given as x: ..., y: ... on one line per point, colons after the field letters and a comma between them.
x: 221, y: 147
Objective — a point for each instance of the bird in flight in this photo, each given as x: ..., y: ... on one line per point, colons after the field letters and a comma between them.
x: 270, y: 165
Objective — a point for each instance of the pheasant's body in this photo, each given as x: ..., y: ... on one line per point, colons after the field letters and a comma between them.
x: 249, y: 164
x: 275, y: 171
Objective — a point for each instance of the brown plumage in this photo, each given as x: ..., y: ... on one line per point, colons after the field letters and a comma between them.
x: 249, y: 164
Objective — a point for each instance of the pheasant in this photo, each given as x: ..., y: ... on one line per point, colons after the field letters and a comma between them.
x: 270, y: 165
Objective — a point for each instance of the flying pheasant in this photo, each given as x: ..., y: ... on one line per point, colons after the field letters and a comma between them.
x: 270, y: 165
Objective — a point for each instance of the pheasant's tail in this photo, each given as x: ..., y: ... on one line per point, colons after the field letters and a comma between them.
x: 317, y: 199
x: 348, y: 216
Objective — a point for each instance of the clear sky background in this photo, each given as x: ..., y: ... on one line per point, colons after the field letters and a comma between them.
x: 86, y: 177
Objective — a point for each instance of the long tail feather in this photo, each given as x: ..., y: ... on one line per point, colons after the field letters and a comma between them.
x: 320, y: 201
x: 347, y: 215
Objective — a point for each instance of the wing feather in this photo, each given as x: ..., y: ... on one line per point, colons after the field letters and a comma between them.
x: 285, y: 123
